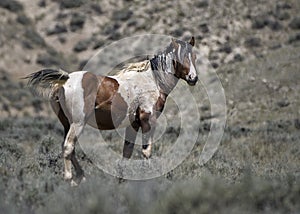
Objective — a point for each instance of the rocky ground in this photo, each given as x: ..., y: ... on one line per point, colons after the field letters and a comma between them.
x: 254, y: 47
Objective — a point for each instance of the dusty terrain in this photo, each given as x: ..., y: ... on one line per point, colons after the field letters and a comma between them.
x: 254, y: 47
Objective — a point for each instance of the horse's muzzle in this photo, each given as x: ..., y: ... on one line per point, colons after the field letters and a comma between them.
x: 193, y: 81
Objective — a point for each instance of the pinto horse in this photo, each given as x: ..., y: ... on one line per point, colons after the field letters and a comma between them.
x: 133, y: 99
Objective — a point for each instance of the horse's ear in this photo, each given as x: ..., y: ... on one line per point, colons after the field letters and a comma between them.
x: 192, y: 41
x: 174, y: 43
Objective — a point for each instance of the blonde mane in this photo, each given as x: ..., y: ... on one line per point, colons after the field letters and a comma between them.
x: 136, y: 66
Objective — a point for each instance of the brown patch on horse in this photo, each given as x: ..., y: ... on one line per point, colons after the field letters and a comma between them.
x: 192, y: 41
x: 64, y: 121
x: 56, y: 106
x: 90, y: 86
x: 58, y: 101
x: 160, y: 104
x: 144, y: 120
x: 110, y: 107
x: 181, y: 69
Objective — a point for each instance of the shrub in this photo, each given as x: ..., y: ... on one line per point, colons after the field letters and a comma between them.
x: 295, y: 23
x: 23, y: 19
x: 71, y: 3
x: 11, y: 5
x: 57, y: 29
x: 81, y: 46
x: 253, y: 42
x: 34, y: 37
x: 77, y: 21
x: 122, y: 15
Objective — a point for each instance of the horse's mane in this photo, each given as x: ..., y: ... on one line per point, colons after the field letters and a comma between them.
x: 136, y: 66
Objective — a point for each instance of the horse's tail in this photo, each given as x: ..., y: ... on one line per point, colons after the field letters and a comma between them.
x: 47, y: 79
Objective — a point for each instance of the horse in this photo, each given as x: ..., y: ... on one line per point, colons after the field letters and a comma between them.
x: 133, y: 99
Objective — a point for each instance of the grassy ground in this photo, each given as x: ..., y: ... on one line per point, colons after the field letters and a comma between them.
x: 245, y: 176
x: 255, y: 169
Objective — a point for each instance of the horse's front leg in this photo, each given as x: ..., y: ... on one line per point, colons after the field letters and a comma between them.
x: 130, y: 136
x: 148, y: 124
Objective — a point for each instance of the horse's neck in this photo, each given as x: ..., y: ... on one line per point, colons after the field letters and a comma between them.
x: 163, y: 71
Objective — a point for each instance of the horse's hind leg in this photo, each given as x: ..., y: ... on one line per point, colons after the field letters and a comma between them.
x: 78, y: 170
x: 64, y: 121
x: 69, y: 153
x: 71, y: 159
x: 77, y: 100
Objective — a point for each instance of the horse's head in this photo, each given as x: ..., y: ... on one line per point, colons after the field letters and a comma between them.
x: 184, y: 60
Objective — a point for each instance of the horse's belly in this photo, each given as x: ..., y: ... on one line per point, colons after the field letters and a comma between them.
x: 111, y: 114
x: 106, y: 120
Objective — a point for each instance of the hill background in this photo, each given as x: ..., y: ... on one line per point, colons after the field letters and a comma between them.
x: 254, y: 47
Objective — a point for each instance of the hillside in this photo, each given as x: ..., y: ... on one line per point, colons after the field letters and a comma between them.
x: 253, y: 46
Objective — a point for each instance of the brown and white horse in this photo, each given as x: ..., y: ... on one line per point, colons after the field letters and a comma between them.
x: 134, y: 98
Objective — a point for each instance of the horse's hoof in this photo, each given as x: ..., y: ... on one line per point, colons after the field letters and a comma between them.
x: 68, y: 176
x: 146, y: 153
x: 121, y: 180
x: 83, y: 179
x: 73, y: 183
x: 78, y: 180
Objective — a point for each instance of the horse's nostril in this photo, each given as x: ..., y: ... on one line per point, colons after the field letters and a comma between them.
x: 191, y: 78
x: 192, y: 81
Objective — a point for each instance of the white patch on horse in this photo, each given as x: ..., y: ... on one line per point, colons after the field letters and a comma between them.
x: 147, y: 152
x: 169, y: 64
x: 138, y: 89
x: 74, y: 104
x: 178, y: 52
x: 192, y: 72
x: 74, y: 94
